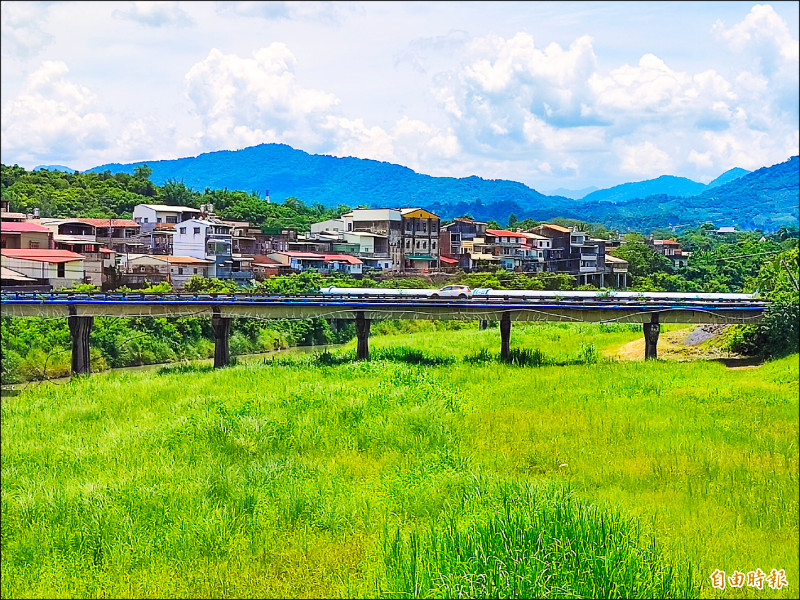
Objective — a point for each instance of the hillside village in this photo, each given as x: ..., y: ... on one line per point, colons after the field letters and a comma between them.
x: 163, y: 243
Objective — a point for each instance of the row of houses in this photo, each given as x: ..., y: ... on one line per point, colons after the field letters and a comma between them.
x: 175, y: 243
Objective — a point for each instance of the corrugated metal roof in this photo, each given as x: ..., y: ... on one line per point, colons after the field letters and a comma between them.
x: 343, y: 258
x: 111, y: 222
x: 42, y: 255
x: 22, y: 227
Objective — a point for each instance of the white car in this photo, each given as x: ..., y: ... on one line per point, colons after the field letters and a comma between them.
x: 453, y: 291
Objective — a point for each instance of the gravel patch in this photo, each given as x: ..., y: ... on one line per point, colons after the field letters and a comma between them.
x: 702, y: 333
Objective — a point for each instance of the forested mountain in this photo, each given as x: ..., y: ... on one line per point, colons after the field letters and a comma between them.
x: 727, y: 176
x: 666, y: 184
x: 331, y: 181
x: 765, y: 199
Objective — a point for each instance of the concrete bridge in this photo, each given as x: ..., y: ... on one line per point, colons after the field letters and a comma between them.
x: 651, y: 309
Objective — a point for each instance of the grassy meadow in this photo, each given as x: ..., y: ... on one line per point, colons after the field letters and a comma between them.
x: 433, y: 470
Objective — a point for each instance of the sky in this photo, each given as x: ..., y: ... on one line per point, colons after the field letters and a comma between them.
x: 551, y: 94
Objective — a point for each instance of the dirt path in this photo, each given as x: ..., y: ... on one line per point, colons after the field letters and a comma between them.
x: 682, y: 345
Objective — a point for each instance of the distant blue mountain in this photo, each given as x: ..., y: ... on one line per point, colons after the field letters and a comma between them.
x: 54, y: 168
x: 331, y: 181
x: 666, y: 184
x: 727, y: 177
x: 766, y: 198
x: 574, y: 194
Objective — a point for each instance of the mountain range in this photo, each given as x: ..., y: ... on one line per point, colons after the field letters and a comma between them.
x: 764, y: 199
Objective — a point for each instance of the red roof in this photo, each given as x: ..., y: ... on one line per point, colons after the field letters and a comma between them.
x: 342, y: 258
x: 670, y: 242
x: 504, y: 232
x: 263, y: 259
x: 449, y: 261
x: 23, y: 227
x: 42, y: 255
x: 112, y: 222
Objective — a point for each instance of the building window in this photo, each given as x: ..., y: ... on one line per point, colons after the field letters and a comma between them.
x: 180, y: 270
x: 197, y: 231
x: 183, y: 229
x: 195, y: 270
x: 172, y: 219
x: 433, y: 245
x: 158, y: 219
x: 33, y: 245
x: 146, y: 220
x: 61, y: 270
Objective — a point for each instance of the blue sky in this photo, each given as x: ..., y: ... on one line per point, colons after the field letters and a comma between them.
x: 552, y: 94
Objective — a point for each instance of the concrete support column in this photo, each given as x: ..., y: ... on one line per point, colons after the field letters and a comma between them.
x: 505, y: 336
x: 483, y: 324
x: 222, y: 333
x: 362, y: 333
x: 651, y: 331
x: 80, y: 328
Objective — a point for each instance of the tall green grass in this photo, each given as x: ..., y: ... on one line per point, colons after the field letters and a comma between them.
x: 309, y: 476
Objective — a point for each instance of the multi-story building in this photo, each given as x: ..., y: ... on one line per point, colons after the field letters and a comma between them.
x: 120, y: 235
x: 420, y: 239
x: 671, y: 249
x: 385, y: 223
x: 557, y: 258
x: 588, y: 256
x: 452, y: 237
x: 147, y: 216
x: 211, y: 239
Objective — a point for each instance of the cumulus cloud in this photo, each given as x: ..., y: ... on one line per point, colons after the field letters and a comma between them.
x: 53, y: 116
x: 762, y: 33
x: 21, y: 28
x: 645, y: 160
x: 248, y: 101
x: 154, y: 14
x: 548, y: 107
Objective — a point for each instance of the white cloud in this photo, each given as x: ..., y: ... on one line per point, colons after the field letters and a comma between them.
x: 256, y: 100
x: 645, y: 160
x: 53, y: 116
x: 762, y: 32
x: 154, y: 14
x: 21, y: 32
x: 248, y: 101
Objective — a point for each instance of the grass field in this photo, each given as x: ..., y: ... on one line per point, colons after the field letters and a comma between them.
x: 433, y: 470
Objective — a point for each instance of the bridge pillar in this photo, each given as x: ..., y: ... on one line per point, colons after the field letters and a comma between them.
x: 505, y: 336
x: 651, y: 331
x: 222, y: 333
x: 80, y: 328
x: 484, y: 324
x: 362, y: 333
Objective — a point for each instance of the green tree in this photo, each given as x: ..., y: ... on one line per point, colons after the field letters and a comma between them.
x: 778, y: 333
x: 642, y: 259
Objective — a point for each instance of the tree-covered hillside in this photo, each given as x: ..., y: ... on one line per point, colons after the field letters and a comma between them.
x: 103, y: 195
x: 766, y: 199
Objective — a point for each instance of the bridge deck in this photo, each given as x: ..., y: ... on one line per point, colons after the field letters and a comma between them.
x: 561, y: 308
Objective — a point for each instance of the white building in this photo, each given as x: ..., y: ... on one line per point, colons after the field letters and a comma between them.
x: 147, y: 215
x: 336, y: 225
